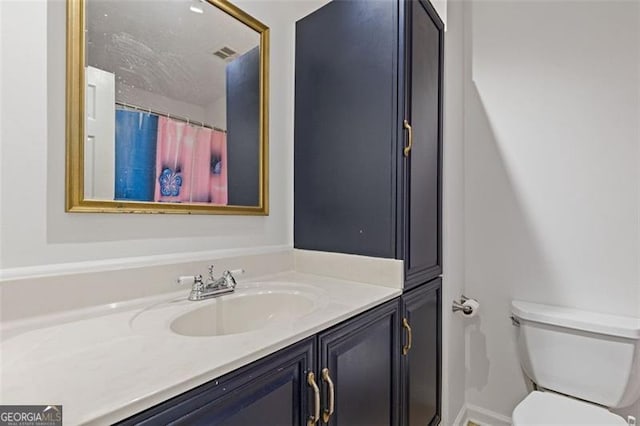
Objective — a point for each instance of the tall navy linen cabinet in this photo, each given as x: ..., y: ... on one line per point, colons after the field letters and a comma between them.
x: 362, y: 69
x: 368, y: 161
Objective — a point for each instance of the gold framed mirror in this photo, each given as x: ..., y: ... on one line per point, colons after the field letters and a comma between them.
x: 166, y: 108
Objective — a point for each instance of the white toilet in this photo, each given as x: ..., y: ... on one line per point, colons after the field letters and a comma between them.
x: 581, y: 362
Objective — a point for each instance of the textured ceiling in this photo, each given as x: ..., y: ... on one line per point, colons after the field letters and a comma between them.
x: 162, y: 47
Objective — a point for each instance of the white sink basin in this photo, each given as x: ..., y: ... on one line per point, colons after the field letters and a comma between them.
x: 242, y: 313
x: 250, y: 308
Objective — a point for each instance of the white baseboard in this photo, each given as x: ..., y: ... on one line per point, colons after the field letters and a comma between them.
x: 480, y: 416
x: 461, y: 417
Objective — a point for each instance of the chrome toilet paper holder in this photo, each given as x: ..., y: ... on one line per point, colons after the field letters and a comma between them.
x: 459, y: 306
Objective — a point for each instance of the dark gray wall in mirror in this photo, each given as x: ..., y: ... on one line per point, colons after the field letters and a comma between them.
x: 243, y: 96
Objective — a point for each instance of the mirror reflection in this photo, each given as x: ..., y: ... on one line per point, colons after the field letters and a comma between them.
x: 172, y: 104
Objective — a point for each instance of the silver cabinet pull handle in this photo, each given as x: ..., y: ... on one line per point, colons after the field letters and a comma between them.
x: 311, y: 380
x: 326, y: 414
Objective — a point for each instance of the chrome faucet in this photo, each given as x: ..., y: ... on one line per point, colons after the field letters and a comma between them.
x: 212, y: 287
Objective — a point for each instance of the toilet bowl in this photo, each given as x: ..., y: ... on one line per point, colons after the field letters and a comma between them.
x: 582, y: 363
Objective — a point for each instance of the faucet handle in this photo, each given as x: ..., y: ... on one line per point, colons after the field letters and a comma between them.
x: 192, y: 280
x: 229, y: 278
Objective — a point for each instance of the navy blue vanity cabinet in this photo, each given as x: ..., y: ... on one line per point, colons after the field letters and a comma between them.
x: 356, y: 365
x: 272, y: 391
x: 421, y: 354
x: 368, y: 132
x: 360, y: 360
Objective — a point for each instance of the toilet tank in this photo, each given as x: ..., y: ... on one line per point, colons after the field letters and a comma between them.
x: 591, y: 356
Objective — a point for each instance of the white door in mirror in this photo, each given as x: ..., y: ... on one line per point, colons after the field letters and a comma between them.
x: 99, y: 147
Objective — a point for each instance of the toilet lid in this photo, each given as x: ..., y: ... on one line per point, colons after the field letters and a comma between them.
x: 547, y: 408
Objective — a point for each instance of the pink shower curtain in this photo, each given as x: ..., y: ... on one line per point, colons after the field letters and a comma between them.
x: 190, y: 163
x: 170, y: 160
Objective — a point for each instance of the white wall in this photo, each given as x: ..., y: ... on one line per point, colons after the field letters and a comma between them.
x: 216, y: 112
x: 139, y: 97
x: 552, y: 168
x: 453, y: 374
x: 35, y: 230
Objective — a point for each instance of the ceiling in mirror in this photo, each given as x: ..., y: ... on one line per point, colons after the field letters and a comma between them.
x: 173, y: 54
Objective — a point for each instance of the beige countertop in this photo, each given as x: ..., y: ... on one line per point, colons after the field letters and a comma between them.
x: 106, y: 363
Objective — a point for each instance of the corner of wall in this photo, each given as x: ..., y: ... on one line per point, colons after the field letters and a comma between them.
x: 453, y: 344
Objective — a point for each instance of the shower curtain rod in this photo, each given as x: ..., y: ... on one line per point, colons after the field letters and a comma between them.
x: 174, y: 117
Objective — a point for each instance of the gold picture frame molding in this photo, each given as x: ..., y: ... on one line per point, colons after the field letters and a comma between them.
x: 75, y: 111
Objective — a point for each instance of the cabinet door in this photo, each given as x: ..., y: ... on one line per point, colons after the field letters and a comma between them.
x: 422, y: 174
x: 272, y: 391
x: 421, y: 366
x: 362, y: 356
x: 345, y: 133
